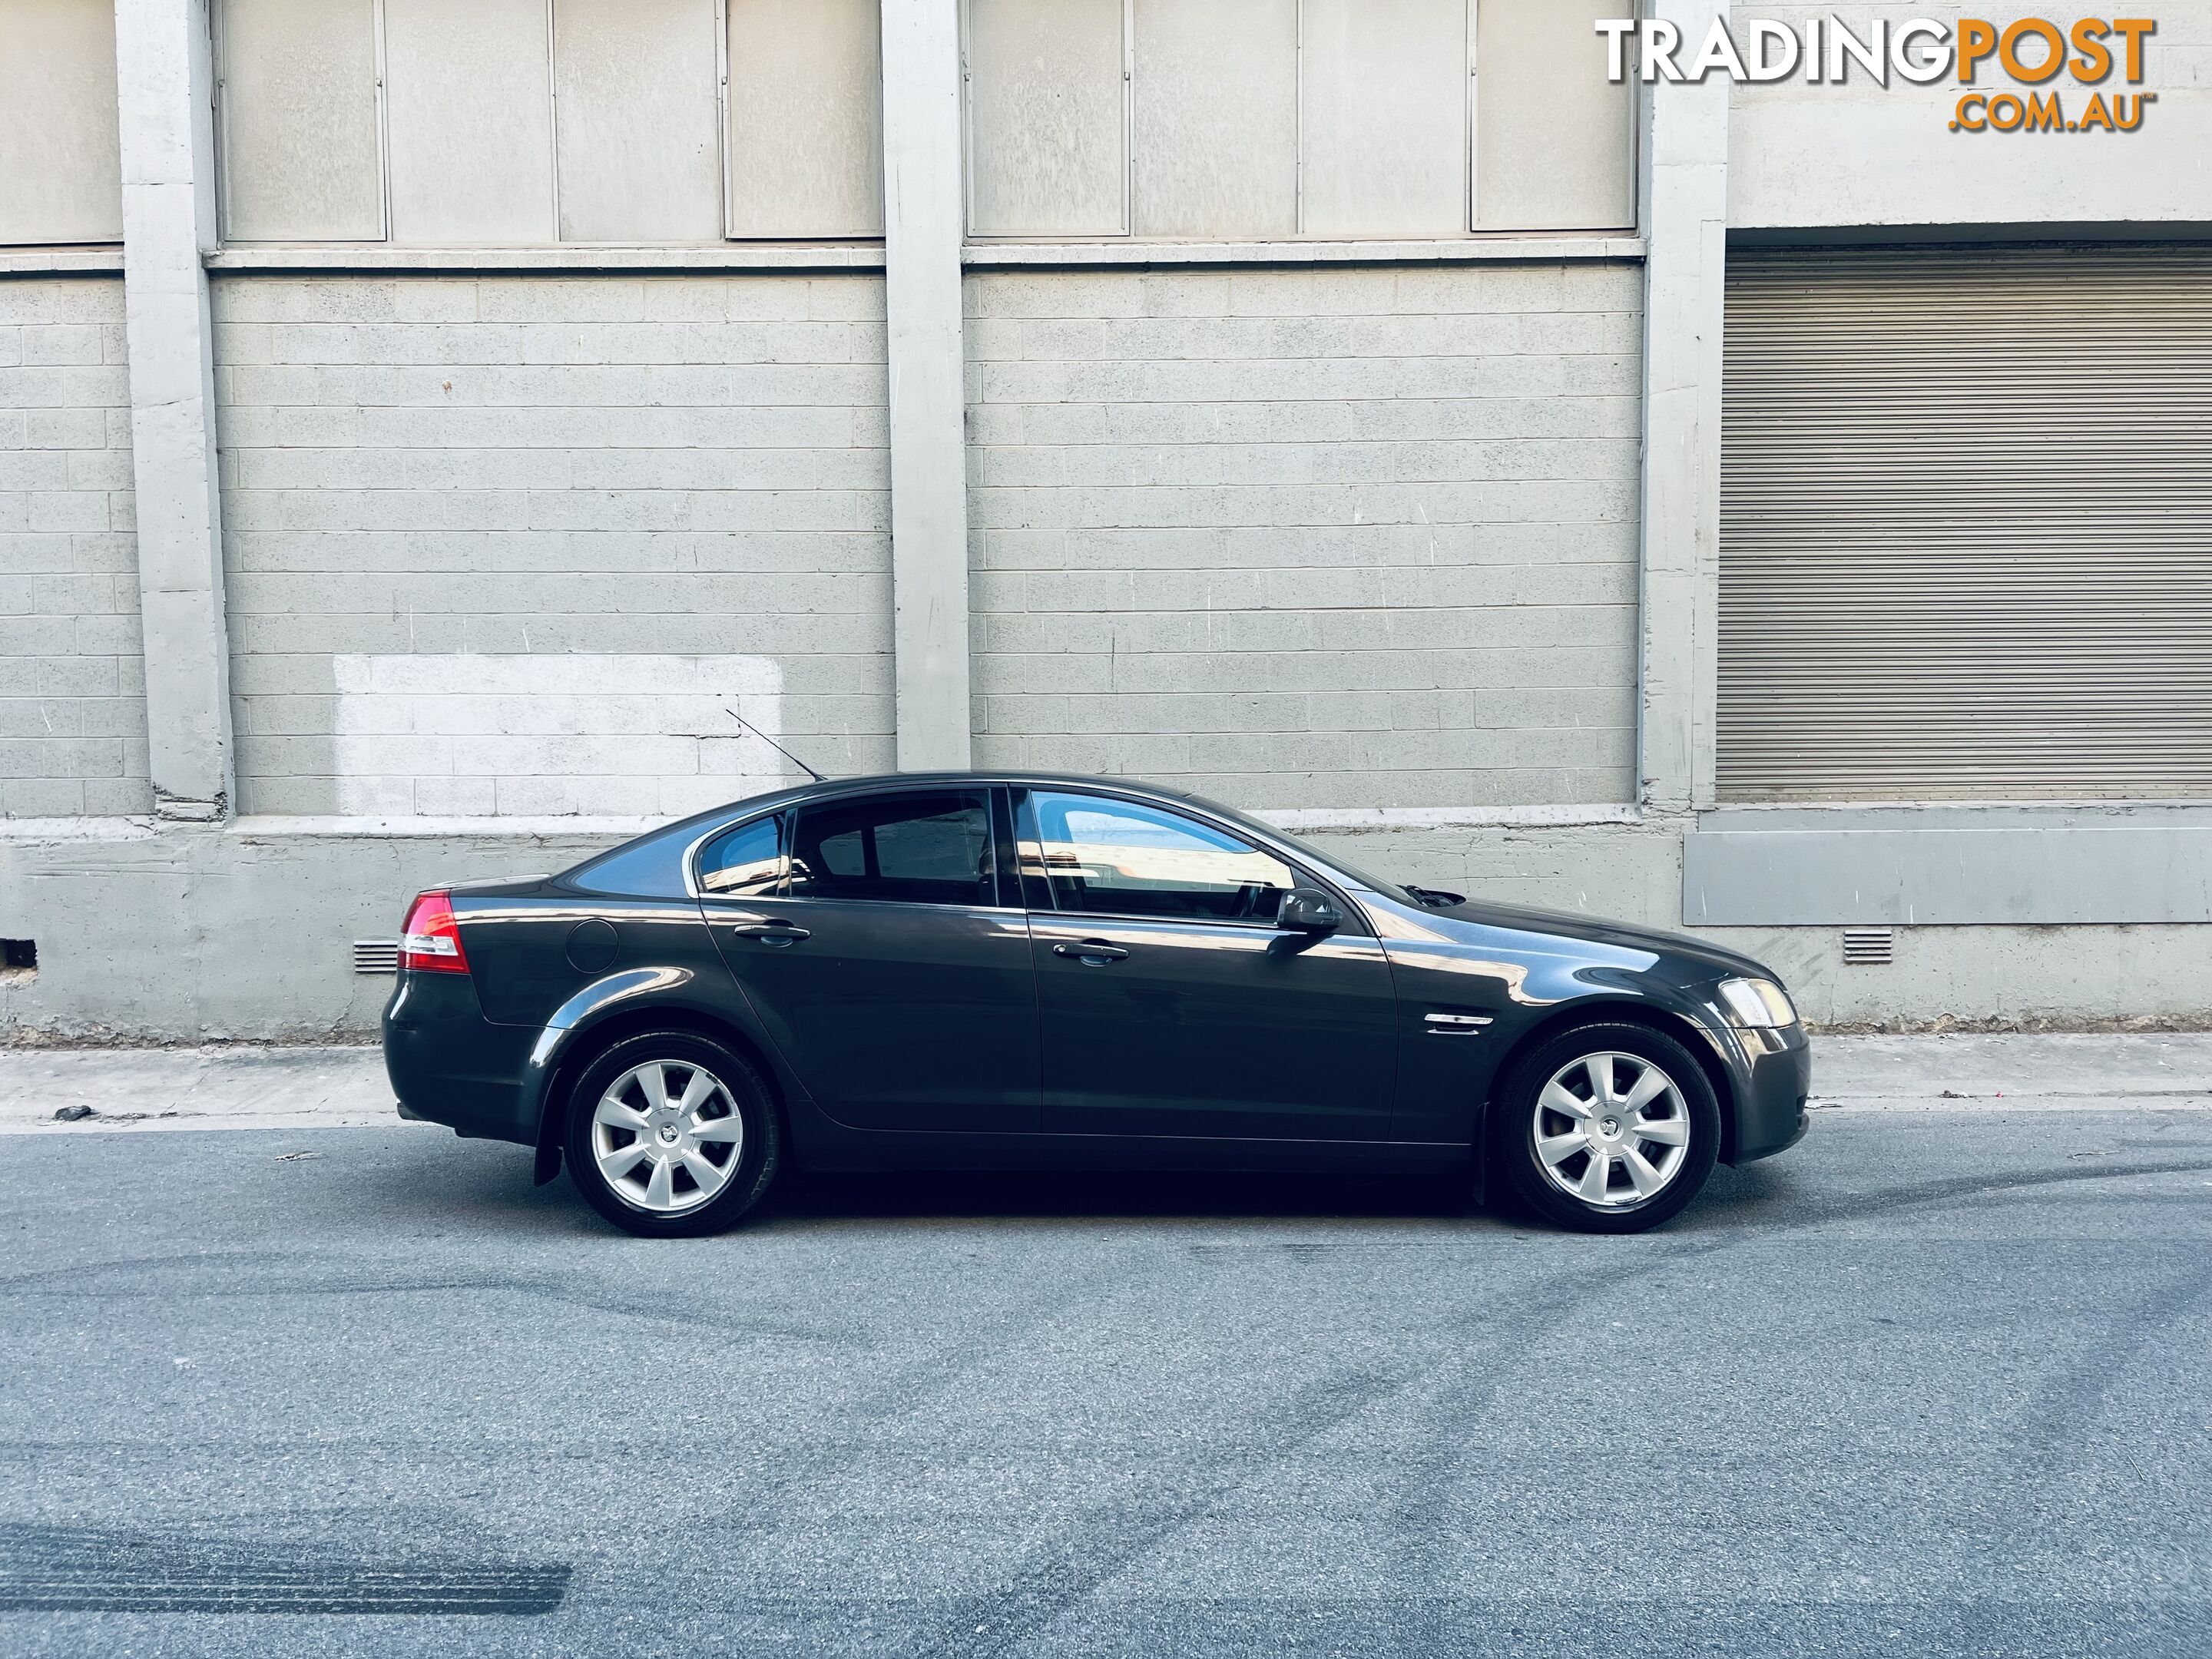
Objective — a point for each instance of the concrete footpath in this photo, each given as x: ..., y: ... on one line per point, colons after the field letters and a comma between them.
x: 235, y: 1086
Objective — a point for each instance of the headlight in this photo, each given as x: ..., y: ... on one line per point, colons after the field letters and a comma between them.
x: 1757, y: 1003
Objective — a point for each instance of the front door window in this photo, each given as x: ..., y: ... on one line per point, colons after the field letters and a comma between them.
x: 1104, y: 857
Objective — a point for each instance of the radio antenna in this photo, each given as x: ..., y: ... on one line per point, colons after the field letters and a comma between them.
x: 774, y: 745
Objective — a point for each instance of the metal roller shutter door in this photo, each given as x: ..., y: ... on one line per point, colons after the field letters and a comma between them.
x: 1966, y: 526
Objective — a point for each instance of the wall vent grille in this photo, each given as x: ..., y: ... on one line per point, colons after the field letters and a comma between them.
x: 376, y: 956
x: 1869, y: 947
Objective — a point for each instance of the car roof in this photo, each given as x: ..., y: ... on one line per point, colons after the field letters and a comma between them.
x: 908, y: 779
x: 791, y: 792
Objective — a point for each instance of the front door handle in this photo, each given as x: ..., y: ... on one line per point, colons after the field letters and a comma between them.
x: 774, y: 933
x: 1092, y: 952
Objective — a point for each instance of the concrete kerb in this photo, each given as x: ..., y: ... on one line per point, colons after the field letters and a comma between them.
x: 239, y: 1086
x: 217, y: 1086
x: 2015, y: 1072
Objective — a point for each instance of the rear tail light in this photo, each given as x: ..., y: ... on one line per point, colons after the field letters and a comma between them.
x: 430, y: 943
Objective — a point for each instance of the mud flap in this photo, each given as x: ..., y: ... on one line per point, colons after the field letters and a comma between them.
x: 549, y: 1146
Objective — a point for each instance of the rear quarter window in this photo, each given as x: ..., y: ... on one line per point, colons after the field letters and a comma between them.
x: 652, y: 867
x: 744, y: 862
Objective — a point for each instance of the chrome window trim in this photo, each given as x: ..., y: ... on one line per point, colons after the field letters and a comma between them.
x: 781, y: 901
x: 1071, y: 917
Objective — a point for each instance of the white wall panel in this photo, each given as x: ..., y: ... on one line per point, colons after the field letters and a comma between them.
x: 1859, y: 154
x: 302, y: 156
x: 806, y: 130
x: 469, y: 103
x: 1553, y: 145
x: 551, y: 735
x: 1217, y: 118
x: 60, y: 176
x: 639, y: 118
x: 1047, y: 118
x: 1384, y: 94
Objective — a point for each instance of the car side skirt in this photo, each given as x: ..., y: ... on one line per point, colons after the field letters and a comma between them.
x: 840, y: 1149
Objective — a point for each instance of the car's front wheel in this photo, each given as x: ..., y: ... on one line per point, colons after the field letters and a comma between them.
x: 671, y: 1134
x: 1608, y: 1128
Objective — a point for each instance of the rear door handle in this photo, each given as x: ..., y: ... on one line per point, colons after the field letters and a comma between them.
x: 774, y: 933
x: 1092, y: 952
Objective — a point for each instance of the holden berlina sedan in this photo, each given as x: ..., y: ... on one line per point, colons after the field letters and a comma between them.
x: 987, y: 970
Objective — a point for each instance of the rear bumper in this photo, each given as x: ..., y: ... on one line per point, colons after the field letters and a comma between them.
x: 450, y: 1064
x: 1772, y: 1116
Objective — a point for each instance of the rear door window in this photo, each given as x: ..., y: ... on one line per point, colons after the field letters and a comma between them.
x: 933, y: 847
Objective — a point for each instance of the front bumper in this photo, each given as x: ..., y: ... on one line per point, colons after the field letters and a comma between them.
x: 450, y: 1064
x: 1772, y: 1115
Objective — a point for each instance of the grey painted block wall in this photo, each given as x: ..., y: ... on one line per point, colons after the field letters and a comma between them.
x: 1309, y: 537
x: 547, y: 465
x: 72, y: 683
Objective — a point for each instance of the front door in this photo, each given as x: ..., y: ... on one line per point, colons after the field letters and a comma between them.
x: 1170, y: 1003
x: 874, y: 948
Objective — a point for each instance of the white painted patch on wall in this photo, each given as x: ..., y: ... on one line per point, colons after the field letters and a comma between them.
x: 596, y: 736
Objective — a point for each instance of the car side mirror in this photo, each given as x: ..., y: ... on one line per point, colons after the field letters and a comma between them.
x: 1309, y: 910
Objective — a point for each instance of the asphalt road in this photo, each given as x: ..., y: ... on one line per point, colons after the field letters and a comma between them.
x: 1927, y: 1385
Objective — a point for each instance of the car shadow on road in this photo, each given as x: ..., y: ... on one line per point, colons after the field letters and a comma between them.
x: 496, y: 1193
x: 803, y: 1196
x: 1734, y: 1197
x: 501, y: 1195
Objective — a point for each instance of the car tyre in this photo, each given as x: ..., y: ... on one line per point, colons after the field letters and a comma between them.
x: 671, y: 1135
x: 1607, y: 1127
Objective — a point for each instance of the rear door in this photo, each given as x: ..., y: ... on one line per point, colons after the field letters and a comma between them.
x: 869, y: 933
x: 1169, y: 1001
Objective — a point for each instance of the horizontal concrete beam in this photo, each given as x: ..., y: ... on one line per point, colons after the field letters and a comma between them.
x: 353, y: 258
x: 1923, y: 867
x: 356, y: 257
x: 986, y: 255
x: 61, y: 262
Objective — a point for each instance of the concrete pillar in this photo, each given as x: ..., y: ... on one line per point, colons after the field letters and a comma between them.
x: 1684, y: 199
x: 164, y: 82
x: 923, y: 221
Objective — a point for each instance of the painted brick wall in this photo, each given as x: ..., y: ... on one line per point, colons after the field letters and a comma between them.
x: 72, y: 690
x: 462, y: 466
x: 1310, y: 538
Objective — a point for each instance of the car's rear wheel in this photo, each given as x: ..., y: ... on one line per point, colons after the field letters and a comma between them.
x: 1608, y: 1128
x: 671, y: 1134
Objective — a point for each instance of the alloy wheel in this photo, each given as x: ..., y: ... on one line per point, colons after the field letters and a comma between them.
x: 1612, y: 1129
x: 666, y: 1136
